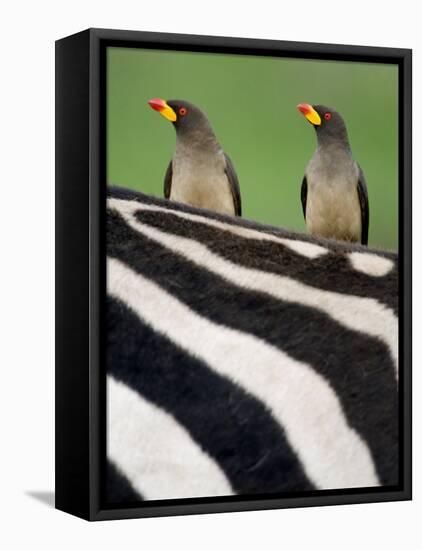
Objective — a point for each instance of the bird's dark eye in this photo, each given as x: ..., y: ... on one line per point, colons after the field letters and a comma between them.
x: 183, y: 111
x: 327, y: 116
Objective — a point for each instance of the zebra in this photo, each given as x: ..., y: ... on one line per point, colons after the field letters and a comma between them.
x: 243, y: 358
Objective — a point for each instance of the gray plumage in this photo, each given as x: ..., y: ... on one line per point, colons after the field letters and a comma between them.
x: 200, y: 173
x: 334, y: 195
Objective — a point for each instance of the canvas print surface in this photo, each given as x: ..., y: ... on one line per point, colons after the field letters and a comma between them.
x: 252, y: 276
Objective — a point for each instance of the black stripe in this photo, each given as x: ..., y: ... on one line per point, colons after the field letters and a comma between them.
x: 233, y: 427
x: 341, y: 247
x: 118, y: 488
x: 358, y: 367
x: 328, y: 272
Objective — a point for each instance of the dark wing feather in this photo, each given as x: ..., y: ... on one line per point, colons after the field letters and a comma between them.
x: 234, y: 185
x: 304, y: 195
x: 364, y: 206
x: 167, y: 180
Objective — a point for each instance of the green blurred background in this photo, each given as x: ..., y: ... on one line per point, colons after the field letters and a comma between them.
x: 251, y: 103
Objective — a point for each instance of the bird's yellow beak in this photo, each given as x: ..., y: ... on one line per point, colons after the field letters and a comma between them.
x: 309, y: 112
x: 165, y: 110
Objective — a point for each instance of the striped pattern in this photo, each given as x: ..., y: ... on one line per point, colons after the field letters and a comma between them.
x: 243, y: 358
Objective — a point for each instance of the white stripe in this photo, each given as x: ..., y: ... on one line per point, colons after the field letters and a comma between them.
x: 371, y: 264
x: 332, y: 454
x: 309, y: 250
x: 155, y: 453
x: 365, y: 315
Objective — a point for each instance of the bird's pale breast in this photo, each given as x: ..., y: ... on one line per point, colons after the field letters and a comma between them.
x: 199, y: 179
x: 332, y: 208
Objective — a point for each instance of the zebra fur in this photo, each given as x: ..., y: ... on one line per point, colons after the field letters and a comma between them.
x: 322, y: 313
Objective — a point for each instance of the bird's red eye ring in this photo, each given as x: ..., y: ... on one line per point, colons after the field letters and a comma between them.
x: 327, y: 116
x: 183, y: 111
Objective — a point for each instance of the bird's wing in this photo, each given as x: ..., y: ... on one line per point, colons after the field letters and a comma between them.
x: 364, y: 206
x: 234, y: 185
x: 304, y: 195
x: 167, y: 180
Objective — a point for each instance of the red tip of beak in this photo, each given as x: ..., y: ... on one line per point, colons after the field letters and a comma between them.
x: 304, y: 108
x: 157, y: 104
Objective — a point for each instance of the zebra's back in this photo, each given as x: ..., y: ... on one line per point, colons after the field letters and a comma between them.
x: 243, y: 358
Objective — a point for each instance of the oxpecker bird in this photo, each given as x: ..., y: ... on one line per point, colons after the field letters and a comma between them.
x: 334, y: 195
x: 200, y: 173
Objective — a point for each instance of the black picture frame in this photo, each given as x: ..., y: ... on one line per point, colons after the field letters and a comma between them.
x: 80, y: 269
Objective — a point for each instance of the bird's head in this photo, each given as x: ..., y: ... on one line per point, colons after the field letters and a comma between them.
x: 185, y: 117
x: 328, y: 123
